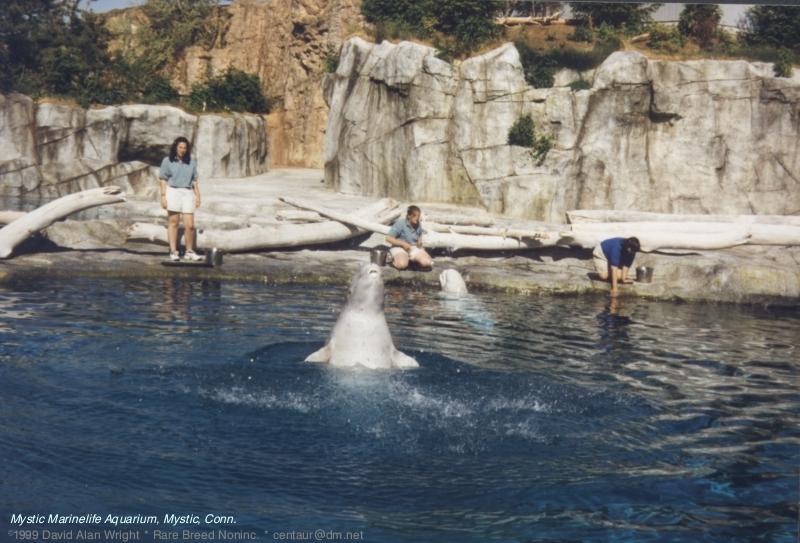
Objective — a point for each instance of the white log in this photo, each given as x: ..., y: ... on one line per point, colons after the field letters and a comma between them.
x: 607, y: 215
x: 482, y: 231
x: 298, y: 215
x: 438, y: 240
x: 275, y: 236
x: 759, y: 234
x: 455, y: 218
x: 10, y: 216
x: 656, y: 241
x: 19, y: 230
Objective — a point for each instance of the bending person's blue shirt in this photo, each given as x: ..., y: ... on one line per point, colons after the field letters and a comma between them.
x: 612, y: 249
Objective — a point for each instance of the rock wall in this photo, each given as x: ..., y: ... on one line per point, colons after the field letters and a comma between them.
x: 703, y: 136
x: 285, y: 43
x: 51, y: 149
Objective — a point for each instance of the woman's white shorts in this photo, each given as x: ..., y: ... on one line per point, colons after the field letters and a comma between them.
x: 180, y: 200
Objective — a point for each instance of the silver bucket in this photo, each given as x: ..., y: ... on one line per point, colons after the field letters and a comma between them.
x: 214, y: 257
x: 644, y: 274
x: 378, y: 256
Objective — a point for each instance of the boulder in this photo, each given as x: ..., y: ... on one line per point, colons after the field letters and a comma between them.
x: 51, y: 149
x: 701, y: 136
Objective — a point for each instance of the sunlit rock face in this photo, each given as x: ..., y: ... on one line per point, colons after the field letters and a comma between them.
x: 50, y: 149
x: 704, y: 136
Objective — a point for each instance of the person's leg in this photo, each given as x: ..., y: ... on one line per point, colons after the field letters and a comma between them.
x: 188, y: 226
x: 421, y: 257
x: 399, y: 258
x: 172, y: 230
x: 600, y: 263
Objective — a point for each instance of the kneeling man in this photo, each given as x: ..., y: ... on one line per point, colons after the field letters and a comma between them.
x: 405, y: 240
x: 613, y: 258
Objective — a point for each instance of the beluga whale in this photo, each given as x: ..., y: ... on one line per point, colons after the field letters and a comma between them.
x: 452, y: 283
x: 360, y: 337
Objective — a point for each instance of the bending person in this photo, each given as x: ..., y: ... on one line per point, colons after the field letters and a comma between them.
x: 180, y: 196
x: 613, y: 258
x: 405, y: 238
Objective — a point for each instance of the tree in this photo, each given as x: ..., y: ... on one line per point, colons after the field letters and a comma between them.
x: 776, y: 26
x: 173, y: 26
x: 631, y: 16
x: 50, y: 46
x: 234, y: 90
x: 469, y: 23
x: 700, y: 21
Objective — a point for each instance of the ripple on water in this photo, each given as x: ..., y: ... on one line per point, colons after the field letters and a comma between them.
x: 549, y: 418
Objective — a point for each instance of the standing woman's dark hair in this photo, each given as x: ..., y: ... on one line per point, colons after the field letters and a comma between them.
x: 173, y: 151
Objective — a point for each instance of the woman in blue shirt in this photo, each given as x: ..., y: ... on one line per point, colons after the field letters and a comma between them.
x: 180, y: 196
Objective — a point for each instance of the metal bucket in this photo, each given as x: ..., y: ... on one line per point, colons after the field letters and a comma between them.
x: 378, y: 256
x: 214, y: 257
x: 644, y: 274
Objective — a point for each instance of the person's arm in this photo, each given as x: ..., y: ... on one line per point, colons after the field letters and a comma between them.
x: 625, y: 275
x: 163, y: 175
x: 614, y: 271
x: 394, y: 242
x: 196, y: 187
x: 163, y: 189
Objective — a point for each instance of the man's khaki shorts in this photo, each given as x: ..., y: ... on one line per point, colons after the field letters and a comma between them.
x: 396, y: 251
x: 600, y: 260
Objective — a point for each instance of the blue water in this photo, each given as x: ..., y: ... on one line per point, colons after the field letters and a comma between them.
x: 530, y: 419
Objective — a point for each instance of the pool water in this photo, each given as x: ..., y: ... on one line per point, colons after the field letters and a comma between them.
x: 530, y: 418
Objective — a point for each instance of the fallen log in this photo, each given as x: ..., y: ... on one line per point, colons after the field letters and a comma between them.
x: 297, y: 215
x: 758, y: 234
x: 277, y: 236
x: 606, y: 215
x: 482, y: 231
x: 656, y: 241
x: 458, y: 219
x: 10, y: 216
x: 439, y: 240
x: 20, y: 229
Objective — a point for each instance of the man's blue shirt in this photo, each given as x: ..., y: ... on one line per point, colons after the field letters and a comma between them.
x: 403, y: 231
x: 612, y: 248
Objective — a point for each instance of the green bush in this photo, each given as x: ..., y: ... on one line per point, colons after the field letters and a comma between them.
x: 665, y: 39
x: 580, y: 84
x: 631, y: 17
x: 783, y: 63
x: 522, y: 133
x: 541, y: 146
x: 469, y: 22
x: 583, y: 33
x: 775, y: 26
x: 234, y: 90
x: 540, y: 66
x: 331, y: 59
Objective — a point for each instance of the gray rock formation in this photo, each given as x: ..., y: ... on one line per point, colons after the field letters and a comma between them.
x: 703, y: 136
x: 51, y: 149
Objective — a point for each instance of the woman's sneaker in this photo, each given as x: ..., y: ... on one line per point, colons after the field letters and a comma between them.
x: 191, y: 255
x: 174, y: 256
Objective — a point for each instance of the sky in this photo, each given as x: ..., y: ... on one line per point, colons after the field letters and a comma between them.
x: 731, y: 13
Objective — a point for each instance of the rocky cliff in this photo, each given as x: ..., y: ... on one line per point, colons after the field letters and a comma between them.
x: 51, y: 149
x: 285, y: 43
x: 703, y: 136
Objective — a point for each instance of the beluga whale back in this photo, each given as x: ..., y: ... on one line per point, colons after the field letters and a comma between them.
x: 361, y: 335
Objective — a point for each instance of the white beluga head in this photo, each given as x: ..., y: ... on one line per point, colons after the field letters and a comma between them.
x: 452, y: 283
x: 361, y: 335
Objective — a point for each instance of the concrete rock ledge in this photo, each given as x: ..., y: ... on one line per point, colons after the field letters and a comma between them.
x: 743, y: 275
